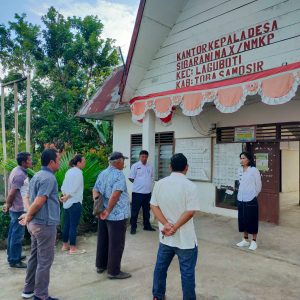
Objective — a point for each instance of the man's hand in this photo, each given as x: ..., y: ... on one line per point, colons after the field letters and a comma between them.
x: 5, y: 208
x: 168, y: 229
x: 24, y: 219
x: 104, y: 214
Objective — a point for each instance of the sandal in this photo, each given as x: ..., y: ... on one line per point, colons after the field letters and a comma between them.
x: 77, y: 251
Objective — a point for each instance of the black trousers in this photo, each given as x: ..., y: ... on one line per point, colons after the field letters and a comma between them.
x: 138, y: 201
x: 248, y: 216
x: 110, y: 245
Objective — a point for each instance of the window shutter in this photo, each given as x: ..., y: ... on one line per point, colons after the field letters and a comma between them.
x: 164, y: 148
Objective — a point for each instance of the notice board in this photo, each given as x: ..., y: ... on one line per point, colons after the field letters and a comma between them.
x: 198, y: 153
x: 226, y: 164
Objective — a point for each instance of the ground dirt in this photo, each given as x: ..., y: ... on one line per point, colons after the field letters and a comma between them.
x: 223, y: 270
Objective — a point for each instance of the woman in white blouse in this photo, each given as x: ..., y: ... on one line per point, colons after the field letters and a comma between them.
x: 72, y: 189
x: 249, y: 188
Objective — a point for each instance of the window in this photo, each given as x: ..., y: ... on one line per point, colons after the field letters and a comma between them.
x: 136, y: 147
x: 164, y: 148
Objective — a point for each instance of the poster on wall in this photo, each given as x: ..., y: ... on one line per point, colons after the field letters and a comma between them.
x: 245, y: 134
x: 226, y: 161
x: 262, y: 161
x: 198, y: 153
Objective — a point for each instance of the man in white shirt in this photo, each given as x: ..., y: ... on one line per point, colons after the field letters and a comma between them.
x: 174, y: 202
x: 142, y: 177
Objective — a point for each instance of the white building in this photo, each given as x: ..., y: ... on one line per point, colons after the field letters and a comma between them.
x: 209, y: 79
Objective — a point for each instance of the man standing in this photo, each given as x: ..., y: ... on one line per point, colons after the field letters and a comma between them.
x: 142, y: 177
x: 14, y: 204
x: 111, y: 183
x: 42, y: 218
x: 174, y: 202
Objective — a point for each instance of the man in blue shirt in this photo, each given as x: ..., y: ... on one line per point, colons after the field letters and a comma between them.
x: 42, y: 218
x: 111, y: 183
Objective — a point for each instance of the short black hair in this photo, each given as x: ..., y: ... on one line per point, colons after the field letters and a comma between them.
x: 75, y: 160
x: 47, y: 156
x: 250, y: 158
x: 144, y: 152
x: 178, y: 162
x: 22, y: 157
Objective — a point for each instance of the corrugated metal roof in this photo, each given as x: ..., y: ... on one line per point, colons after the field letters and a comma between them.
x: 107, y: 99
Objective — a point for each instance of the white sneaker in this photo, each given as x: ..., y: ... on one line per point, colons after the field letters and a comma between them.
x: 253, y: 245
x: 243, y: 243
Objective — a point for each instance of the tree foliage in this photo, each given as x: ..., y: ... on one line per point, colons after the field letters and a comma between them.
x: 68, y: 60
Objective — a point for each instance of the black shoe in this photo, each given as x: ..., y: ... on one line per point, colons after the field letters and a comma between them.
x: 149, y: 229
x: 133, y: 231
x: 121, y: 275
x: 23, y: 257
x: 18, y: 265
x: 159, y: 298
x: 100, y: 270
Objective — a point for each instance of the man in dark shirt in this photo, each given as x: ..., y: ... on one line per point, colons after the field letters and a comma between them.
x: 42, y: 218
x: 14, y: 204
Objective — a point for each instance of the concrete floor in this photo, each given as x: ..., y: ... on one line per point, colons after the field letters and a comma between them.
x: 223, y: 270
x: 289, y: 209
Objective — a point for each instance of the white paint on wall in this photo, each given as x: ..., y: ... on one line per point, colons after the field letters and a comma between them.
x: 203, y: 21
x: 123, y: 128
x: 290, y: 170
x: 254, y: 112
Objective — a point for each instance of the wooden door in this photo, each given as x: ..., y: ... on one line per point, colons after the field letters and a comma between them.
x: 267, y: 156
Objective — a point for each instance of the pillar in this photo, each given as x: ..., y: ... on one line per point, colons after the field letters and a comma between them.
x: 149, y: 136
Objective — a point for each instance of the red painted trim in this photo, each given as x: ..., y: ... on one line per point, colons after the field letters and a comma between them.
x: 222, y: 83
x: 168, y: 118
x: 134, y: 37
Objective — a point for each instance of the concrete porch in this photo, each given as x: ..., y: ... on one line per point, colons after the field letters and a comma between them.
x: 223, y: 270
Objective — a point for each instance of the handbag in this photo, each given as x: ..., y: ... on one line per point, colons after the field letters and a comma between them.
x: 98, y: 205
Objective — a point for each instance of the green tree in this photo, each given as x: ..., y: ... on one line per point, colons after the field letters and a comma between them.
x: 69, y: 60
x: 19, y: 46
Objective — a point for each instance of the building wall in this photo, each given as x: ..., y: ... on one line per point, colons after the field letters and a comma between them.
x: 251, y: 113
x: 182, y: 127
x: 202, y: 21
x: 199, y: 23
x: 185, y: 127
x: 290, y: 166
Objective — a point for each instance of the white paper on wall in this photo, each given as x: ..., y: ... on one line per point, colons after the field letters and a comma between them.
x: 198, y: 153
x: 226, y: 164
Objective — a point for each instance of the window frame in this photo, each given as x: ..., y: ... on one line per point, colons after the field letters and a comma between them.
x: 159, y: 141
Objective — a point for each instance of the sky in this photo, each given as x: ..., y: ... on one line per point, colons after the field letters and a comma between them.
x: 118, y: 16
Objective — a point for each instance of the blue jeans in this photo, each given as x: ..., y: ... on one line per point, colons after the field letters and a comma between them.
x: 72, y: 217
x: 187, y: 262
x: 15, y: 238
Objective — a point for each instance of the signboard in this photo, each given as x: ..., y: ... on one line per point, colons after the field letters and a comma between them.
x: 224, y: 57
x: 198, y: 154
x: 245, y: 134
x: 262, y: 161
